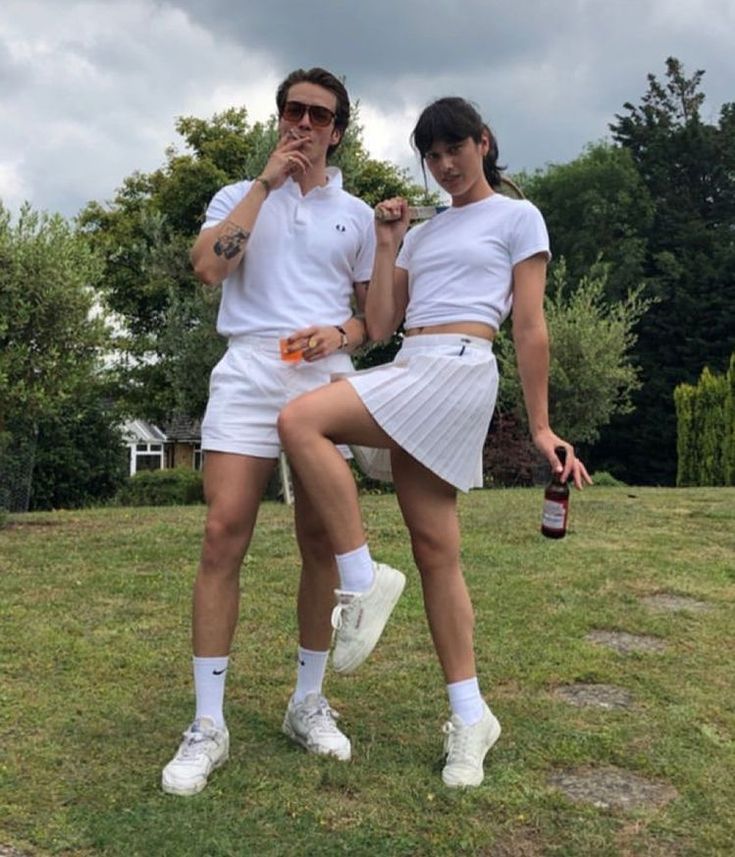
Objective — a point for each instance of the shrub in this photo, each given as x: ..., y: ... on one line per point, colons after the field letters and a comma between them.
x: 705, y: 416
x: 176, y: 487
x: 509, y: 458
x: 80, y: 458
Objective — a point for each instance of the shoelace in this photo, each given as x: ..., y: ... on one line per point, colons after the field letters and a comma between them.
x: 323, y: 715
x: 192, y: 740
x: 455, y: 744
x: 322, y: 718
x: 341, y: 611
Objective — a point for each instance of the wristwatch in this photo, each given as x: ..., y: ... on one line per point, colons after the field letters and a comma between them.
x: 343, y: 333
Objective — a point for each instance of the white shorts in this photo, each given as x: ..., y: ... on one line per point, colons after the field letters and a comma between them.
x: 248, y: 388
x: 435, y: 400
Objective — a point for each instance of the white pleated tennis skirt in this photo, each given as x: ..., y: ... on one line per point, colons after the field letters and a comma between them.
x: 435, y: 400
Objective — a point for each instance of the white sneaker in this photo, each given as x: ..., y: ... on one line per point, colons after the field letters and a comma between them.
x: 311, y: 723
x: 204, y: 749
x: 359, y: 617
x: 466, y: 748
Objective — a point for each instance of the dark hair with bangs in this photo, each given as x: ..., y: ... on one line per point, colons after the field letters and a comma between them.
x: 325, y: 79
x: 451, y: 120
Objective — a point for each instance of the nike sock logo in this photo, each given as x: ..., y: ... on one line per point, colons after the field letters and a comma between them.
x: 219, y: 672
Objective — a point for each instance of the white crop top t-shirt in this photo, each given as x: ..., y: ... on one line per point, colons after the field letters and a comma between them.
x: 302, y: 258
x: 460, y: 263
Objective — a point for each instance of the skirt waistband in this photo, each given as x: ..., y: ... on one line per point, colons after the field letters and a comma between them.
x: 424, y: 340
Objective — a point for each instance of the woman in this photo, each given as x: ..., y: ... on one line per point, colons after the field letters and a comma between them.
x: 453, y: 283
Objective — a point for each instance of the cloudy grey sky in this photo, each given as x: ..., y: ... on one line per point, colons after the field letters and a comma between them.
x: 90, y: 91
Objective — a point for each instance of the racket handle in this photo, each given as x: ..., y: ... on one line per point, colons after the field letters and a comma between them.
x: 415, y: 212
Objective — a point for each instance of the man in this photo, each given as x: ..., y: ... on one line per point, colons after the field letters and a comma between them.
x: 294, y: 252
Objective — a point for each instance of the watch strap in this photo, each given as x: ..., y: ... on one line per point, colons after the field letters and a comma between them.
x: 343, y: 333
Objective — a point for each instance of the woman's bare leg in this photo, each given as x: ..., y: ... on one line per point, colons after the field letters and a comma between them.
x: 429, y: 507
x: 310, y: 426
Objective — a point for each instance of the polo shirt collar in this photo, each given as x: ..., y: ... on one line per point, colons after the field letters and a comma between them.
x: 334, y: 183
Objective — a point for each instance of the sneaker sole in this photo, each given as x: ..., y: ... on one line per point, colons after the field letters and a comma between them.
x: 347, y: 667
x: 288, y: 730
x: 188, y: 791
x: 474, y: 781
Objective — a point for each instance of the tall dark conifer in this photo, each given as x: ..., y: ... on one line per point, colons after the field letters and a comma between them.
x: 687, y: 167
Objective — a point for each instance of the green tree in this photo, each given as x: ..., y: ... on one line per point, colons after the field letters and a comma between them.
x: 167, y: 343
x: 80, y: 459
x: 596, y: 207
x: 50, y: 337
x: 688, y: 169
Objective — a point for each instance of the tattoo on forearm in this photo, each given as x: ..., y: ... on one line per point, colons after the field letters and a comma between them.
x: 231, y: 241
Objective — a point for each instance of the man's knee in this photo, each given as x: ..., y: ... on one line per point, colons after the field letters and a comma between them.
x: 224, y: 536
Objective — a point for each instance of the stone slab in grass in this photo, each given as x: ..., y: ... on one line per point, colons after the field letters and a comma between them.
x: 624, y: 643
x: 612, y: 788
x: 670, y: 603
x: 606, y: 696
x: 9, y: 851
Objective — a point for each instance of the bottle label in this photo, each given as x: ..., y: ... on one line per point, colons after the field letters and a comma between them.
x: 554, y: 515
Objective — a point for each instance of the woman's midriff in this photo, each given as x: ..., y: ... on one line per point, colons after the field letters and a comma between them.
x: 468, y: 328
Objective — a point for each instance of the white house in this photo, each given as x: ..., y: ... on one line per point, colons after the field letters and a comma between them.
x: 146, y: 445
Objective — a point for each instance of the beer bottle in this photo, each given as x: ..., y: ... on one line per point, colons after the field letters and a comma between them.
x: 556, y: 503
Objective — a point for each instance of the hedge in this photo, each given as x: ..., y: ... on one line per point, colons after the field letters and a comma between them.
x: 175, y: 487
x: 705, y: 416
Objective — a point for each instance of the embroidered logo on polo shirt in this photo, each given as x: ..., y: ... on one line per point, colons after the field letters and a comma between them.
x: 340, y: 228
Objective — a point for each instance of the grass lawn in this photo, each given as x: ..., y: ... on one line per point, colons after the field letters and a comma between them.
x: 95, y: 687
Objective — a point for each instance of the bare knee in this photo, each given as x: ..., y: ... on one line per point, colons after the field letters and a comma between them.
x: 225, y: 541
x: 434, y: 555
x: 431, y: 545
x: 293, y: 424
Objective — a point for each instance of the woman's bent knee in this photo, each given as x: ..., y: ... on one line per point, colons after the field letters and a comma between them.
x: 291, y: 423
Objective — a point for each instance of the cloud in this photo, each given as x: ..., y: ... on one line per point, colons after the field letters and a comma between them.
x: 98, y: 88
x: 90, y: 91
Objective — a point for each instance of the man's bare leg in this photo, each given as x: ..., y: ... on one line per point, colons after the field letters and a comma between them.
x: 233, y: 487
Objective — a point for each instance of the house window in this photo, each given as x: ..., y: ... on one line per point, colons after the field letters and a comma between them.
x: 147, y: 462
x: 196, y: 461
x: 146, y: 456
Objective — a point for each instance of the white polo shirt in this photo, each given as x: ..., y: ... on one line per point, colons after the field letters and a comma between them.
x: 302, y: 258
x: 460, y: 263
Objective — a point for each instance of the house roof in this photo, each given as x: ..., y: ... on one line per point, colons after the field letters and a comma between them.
x: 184, y: 428
x: 140, y: 431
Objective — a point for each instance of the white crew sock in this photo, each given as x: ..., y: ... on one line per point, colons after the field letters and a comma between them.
x: 309, y: 673
x: 209, y: 686
x: 466, y: 701
x: 355, y: 570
